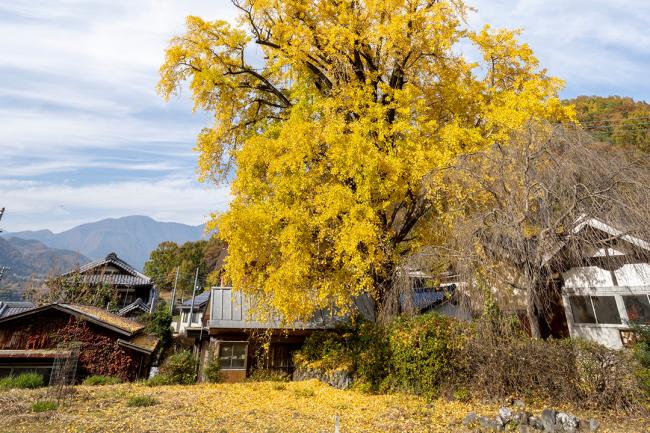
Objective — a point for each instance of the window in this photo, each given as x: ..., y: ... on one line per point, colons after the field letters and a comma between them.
x: 582, y: 309
x: 638, y: 308
x: 595, y: 309
x: 232, y: 356
x: 606, y: 309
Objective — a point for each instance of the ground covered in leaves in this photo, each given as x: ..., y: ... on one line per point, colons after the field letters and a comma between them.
x: 249, y: 407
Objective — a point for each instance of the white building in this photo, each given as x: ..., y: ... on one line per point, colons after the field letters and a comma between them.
x: 610, y: 289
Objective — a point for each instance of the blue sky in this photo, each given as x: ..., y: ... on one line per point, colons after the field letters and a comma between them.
x: 84, y: 136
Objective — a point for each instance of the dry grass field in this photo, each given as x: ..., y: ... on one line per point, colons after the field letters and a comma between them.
x: 268, y: 407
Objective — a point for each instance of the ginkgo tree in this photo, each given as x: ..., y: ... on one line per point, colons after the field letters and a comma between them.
x: 334, y: 121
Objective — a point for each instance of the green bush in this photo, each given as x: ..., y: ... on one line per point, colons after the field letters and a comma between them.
x: 141, y: 401
x: 22, y: 381
x: 326, y: 351
x: 642, y: 355
x: 99, y: 380
x: 179, y: 368
x: 44, y: 406
x: 212, y: 370
x: 421, y: 349
x: 371, y: 358
x: 6, y: 382
x: 158, y: 380
x: 159, y: 323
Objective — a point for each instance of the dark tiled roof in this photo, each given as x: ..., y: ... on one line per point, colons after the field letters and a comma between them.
x: 115, y: 280
x: 200, y: 301
x: 136, y: 277
x: 9, y: 308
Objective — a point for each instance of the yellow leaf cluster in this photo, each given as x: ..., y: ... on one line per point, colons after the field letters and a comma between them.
x: 338, y: 140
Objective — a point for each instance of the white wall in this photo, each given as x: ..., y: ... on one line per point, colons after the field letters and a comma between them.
x: 632, y: 279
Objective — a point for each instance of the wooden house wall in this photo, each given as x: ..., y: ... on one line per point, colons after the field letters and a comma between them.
x: 39, y: 331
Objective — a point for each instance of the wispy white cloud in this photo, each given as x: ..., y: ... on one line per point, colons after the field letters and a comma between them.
x: 59, y: 207
x: 597, y: 46
x: 83, y: 134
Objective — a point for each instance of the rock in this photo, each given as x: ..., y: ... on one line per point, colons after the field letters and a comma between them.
x: 535, y: 423
x: 523, y: 428
x: 566, y: 422
x: 521, y: 417
x: 489, y: 424
x: 336, y: 379
x: 548, y: 420
x: 470, y: 419
x: 429, y: 406
x: 506, y: 414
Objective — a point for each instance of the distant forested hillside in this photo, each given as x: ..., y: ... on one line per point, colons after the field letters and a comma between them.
x: 30, y: 262
x: 618, y: 120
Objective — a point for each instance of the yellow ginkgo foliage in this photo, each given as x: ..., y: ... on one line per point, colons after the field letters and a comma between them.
x: 333, y: 121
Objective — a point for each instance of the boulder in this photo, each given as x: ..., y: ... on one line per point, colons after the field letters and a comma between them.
x: 506, y: 414
x: 521, y: 417
x: 488, y: 424
x: 566, y: 422
x: 535, y: 423
x: 548, y: 420
x: 470, y: 419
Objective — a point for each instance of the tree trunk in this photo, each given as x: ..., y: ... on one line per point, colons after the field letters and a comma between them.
x: 533, y: 315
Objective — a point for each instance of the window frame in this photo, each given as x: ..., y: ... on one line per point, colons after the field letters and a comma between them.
x: 232, y: 344
x: 592, y: 307
x: 632, y: 295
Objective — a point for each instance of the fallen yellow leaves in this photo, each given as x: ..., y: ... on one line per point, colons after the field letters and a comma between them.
x: 267, y: 407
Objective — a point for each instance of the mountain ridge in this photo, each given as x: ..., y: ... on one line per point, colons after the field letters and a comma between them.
x: 131, y: 237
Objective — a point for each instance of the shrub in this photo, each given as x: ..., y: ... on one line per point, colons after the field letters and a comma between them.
x: 268, y: 375
x: 421, y: 353
x: 98, y: 380
x: 141, y: 401
x: 498, y: 360
x: 44, y: 406
x: 159, y: 323
x: 6, y: 382
x: 28, y: 381
x: 158, y: 380
x: 371, y: 358
x: 642, y: 355
x: 179, y: 368
x: 212, y: 370
x: 605, y: 378
x: 326, y: 351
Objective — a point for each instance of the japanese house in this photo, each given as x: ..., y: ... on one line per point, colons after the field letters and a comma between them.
x: 135, y: 292
x: 231, y: 333
x: 100, y: 342
x: 607, y: 290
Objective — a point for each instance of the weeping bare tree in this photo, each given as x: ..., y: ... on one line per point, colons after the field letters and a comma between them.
x: 515, y: 225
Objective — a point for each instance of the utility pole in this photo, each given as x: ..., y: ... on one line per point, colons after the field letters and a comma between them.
x: 196, y: 281
x: 171, y: 308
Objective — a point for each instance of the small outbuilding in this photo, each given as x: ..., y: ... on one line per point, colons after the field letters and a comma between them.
x: 102, y: 343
